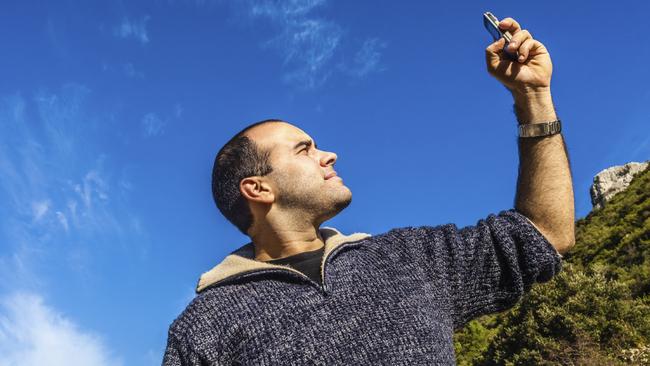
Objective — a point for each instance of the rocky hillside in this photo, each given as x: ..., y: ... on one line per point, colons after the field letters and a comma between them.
x: 618, y: 234
x: 612, y: 180
x: 597, y: 311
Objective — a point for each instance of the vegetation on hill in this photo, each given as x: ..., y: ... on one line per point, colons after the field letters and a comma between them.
x: 595, y: 312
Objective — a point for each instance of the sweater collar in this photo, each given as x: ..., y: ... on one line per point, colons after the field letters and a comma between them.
x: 243, y: 259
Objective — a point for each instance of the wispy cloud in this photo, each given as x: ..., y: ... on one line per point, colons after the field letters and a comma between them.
x: 32, y: 333
x: 642, y: 150
x: 310, y: 46
x: 178, y: 110
x: 306, y: 44
x: 59, y: 194
x: 133, y: 29
x: 130, y: 71
x: 61, y: 201
x: 283, y: 9
x: 368, y: 59
x: 152, y: 125
x: 40, y: 208
x: 63, y: 220
x: 127, y: 69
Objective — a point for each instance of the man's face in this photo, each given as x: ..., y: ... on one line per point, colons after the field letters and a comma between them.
x: 303, y: 176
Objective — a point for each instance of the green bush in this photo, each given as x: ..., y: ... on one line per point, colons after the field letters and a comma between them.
x: 578, y: 318
x: 595, y: 312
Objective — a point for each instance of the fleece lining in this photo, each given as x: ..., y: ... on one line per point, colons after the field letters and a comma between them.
x: 242, y: 260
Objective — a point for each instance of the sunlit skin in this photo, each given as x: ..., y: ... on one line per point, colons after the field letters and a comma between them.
x: 291, y: 202
x: 544, y: 185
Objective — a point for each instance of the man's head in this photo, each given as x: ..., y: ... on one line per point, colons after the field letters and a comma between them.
x: 273, y: 165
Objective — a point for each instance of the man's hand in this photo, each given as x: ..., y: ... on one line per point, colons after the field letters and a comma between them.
x: 531, y: 73
x: 544, y: 185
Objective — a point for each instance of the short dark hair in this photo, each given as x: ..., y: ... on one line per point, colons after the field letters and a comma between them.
x: 239, y: 158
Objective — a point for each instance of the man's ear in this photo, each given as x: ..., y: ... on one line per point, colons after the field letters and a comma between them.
x: 256, y: 189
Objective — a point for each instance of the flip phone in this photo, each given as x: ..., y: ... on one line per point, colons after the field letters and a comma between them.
x: 491, y: 23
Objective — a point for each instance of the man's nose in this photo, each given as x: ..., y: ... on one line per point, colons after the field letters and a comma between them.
x: 328, y: 158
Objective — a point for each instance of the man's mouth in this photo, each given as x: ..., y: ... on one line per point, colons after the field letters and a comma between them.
x: 330, y: 175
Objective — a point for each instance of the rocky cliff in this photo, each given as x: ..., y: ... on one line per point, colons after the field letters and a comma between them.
x: 613, y: 180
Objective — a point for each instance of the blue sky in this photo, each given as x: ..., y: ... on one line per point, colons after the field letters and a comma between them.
x: 111, y: 114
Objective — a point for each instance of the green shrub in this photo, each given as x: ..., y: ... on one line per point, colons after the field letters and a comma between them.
x: 595, y: 312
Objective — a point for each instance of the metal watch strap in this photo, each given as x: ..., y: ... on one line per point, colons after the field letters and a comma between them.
x: 540, y: 129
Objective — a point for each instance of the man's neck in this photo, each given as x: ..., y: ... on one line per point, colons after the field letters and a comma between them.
x: 275, y: 243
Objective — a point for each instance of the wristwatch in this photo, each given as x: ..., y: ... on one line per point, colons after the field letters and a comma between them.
x: 540, y: 129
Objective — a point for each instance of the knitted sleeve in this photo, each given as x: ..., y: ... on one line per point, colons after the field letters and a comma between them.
x: 178, y: 353
x: 486, y: 268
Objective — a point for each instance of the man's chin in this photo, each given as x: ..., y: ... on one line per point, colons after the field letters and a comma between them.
x: 342, y: 203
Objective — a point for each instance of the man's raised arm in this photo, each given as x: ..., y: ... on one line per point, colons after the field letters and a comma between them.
x: 544, y: 185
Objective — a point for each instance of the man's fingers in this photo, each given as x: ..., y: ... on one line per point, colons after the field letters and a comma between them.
x: 496, y: 47
x: 493, y: 54
x: 518, y: 39
x: 537, y: 48
x: 524, y: 49
x: 510, y: 25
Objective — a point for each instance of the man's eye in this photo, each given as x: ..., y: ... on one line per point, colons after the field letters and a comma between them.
x: 305, y: 149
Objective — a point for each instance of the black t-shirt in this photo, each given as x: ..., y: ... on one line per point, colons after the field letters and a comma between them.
x: 306, y: 262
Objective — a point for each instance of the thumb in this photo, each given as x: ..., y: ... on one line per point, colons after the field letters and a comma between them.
x: 493, y: 51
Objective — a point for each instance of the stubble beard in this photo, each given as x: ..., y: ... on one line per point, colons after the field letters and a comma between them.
x: 317, y: 204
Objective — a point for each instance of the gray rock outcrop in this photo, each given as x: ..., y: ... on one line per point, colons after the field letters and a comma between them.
x: 613, y: 180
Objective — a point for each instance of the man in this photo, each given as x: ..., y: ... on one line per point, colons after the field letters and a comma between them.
x: 302, y: 294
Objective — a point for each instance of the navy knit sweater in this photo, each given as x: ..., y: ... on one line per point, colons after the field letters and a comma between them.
x: 389, y: 299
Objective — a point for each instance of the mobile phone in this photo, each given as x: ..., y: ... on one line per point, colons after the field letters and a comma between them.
x: 491, y: 23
